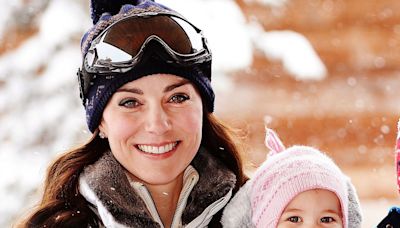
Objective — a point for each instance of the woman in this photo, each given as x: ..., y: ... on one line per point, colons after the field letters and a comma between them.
x: 158, y: 156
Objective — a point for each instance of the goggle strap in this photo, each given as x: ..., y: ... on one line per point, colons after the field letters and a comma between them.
x: 81, y: 85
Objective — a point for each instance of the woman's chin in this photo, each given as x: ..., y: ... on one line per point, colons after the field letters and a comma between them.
x: 161, y: 177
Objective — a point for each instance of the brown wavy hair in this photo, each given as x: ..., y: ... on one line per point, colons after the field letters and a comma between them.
x: 63, y: 206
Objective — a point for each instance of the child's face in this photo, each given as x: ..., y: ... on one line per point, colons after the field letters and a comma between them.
x: 312, y: 208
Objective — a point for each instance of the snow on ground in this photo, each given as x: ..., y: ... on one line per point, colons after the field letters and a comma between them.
x: 40, y: 111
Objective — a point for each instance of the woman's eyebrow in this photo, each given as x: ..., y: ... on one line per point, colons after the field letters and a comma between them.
x: 176, y: 85
x: 167, y: 89
x: 131, y: 90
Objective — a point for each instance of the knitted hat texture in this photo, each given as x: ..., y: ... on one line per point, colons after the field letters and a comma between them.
x: 288, y: 172
x: 104, y: 13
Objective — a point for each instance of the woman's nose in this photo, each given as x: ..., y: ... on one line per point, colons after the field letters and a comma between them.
x: 157, y: 120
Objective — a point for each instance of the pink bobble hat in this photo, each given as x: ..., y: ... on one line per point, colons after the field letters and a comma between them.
x: 288, y: 172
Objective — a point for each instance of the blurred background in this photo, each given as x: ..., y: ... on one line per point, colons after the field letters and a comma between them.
x: 324, y: 73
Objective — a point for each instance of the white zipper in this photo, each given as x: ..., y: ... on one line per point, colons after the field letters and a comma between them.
x: 190, y: 179
x: 145, y: 194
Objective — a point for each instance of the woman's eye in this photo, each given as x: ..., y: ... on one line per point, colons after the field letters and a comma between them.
x: 129, y: 103
x: 294, y: 219
x: 179, y: 98
x: 327, y: 220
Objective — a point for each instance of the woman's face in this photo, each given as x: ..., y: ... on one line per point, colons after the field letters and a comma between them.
x: 154, y: 126
x: 312, y: 208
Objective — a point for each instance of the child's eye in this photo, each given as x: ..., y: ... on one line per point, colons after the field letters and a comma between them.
x: 129, y: 103
x: 327, y: 220
x: 294, y: 219
x: 179, y: 98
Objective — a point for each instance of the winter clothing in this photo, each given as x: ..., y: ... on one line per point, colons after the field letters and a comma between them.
x: 397, y: 154
x: 285, y: 174
x: 121, y: 202
x: 237, y: 213
x: 104, y: 13
x: 392, y: 219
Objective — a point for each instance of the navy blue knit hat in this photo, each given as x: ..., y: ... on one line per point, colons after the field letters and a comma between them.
x: 105, y: 13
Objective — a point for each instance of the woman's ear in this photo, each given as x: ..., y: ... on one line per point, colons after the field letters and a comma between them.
x: 102, y: 129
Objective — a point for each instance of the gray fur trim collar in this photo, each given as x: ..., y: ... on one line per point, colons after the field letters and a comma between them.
x: 106, y: 179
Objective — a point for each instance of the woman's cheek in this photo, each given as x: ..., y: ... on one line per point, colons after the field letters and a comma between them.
x: 192, y: 119
x: 124, y: 127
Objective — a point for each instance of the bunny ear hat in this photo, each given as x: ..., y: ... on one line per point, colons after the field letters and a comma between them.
x: 288, y: 172
x: 260, y: 202
x: 273, y: 142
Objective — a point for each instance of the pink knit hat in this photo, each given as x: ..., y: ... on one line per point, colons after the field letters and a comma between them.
x: 288, y: 172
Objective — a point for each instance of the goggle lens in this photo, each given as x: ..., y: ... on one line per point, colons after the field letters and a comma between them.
x: 122, y: 43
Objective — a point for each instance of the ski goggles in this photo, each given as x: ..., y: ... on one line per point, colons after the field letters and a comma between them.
x: 121, y: 46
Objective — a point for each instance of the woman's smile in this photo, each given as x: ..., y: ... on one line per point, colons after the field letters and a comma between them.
x: 152, y: 149
x: 158, y: 152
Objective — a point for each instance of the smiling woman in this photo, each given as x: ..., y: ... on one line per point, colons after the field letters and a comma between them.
x: 158, y: 156
x: 154, y: 127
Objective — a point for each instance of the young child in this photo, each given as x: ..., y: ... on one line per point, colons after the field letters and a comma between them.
x: 294, y: 187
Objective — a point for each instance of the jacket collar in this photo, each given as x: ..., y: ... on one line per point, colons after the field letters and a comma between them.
x: 105, y: 185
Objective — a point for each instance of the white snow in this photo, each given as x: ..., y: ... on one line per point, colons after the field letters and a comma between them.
x: 292, y: 49
x: 6, y: 10
x: 40, y: 110
x: 275, y: 3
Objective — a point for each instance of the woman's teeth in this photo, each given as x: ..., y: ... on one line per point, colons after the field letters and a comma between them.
x: 157, y: 149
